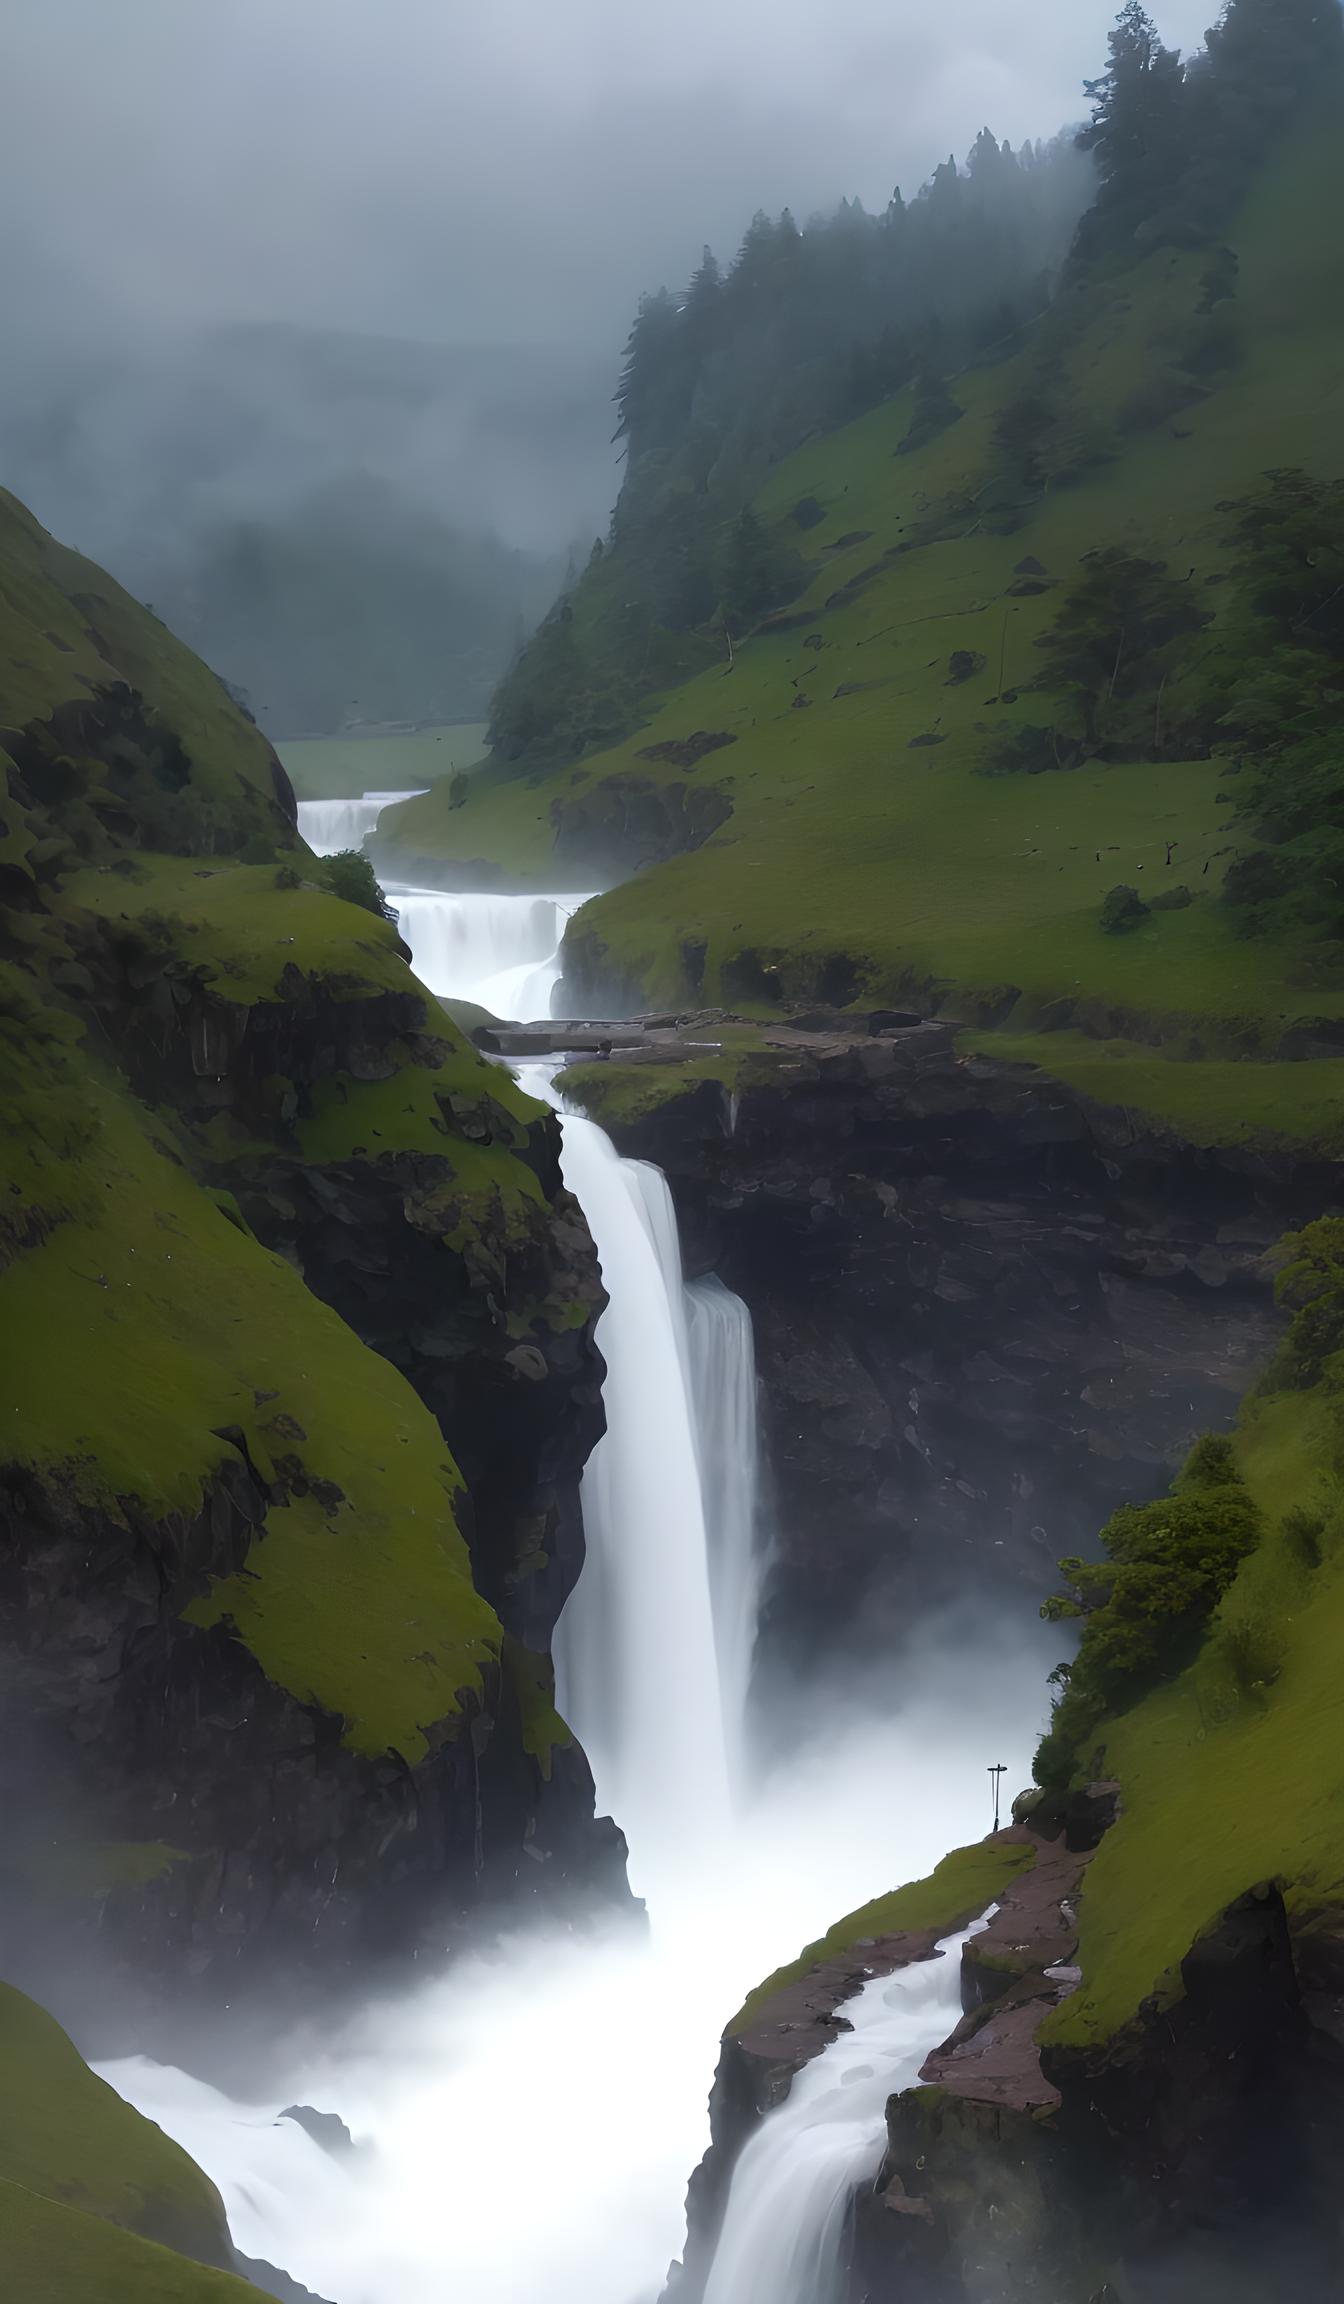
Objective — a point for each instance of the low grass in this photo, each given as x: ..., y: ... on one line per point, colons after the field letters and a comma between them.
x: 616, y: 1094
x: 503, y: 819
x: 342, y: 767
x: 68, y: 2137
x: 58, y: 2255
x: 957, y: 1892
x: 413, y: 1112
x: 242, y: 930
x: 1205, y: 1101
x: 66, y: 629
x: 851, y: 835
x: 1234, y: 1773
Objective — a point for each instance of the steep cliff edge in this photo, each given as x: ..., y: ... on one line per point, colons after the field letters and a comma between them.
x: 988, y: 1310
x: 1145, y: 2097
x: 298, y: 1366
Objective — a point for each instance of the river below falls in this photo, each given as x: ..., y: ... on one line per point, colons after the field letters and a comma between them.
x: 525, y: 2122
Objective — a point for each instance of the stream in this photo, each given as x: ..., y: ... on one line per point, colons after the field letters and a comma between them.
x: 526, y: 2121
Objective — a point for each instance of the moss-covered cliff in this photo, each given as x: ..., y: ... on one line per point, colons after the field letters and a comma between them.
x: 298, y: 1370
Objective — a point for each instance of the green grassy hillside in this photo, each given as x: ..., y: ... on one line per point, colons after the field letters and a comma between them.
x: 956, y: 1892
x: 97, y: 2205
x: 1232, y: 1770
x: 161, y: 921
x: 868, y: 855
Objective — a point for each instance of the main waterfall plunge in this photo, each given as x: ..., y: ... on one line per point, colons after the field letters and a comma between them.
x: 529, y: 2118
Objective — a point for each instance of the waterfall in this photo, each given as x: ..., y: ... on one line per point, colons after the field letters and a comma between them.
x: 637, y: 1648
x: 330, y: 825
x: 863, y: 1781
x: 723, y: 1392
x: 503, y: 952
x: 789, y: 2199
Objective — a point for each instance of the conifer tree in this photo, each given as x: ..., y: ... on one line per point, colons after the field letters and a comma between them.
x: 1135, y: 103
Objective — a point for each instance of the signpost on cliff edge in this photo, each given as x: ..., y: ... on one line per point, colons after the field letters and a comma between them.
x: 998, y: 1771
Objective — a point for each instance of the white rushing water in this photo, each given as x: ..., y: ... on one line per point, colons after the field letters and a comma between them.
x: 503, y: 952
x: 528, y: 2119
x: 723, y: 1395
x: 330, y: 825
x: 636, y: 1648
x: 789, y: 2199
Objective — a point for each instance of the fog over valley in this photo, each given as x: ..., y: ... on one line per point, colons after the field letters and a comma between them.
x: 304, y: 286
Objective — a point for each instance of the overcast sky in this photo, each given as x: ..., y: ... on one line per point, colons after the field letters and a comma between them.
x: 511, y: 170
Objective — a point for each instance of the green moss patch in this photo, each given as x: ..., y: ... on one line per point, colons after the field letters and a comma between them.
x: 956, y: 1893
x: 66, y: 2135
x: 1233, y: 1773
x: 59, y: 2255
x: 1204, y: 1101
x: 529, y: 1681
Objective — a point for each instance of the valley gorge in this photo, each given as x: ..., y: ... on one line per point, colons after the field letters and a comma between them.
x: 672, y: 1362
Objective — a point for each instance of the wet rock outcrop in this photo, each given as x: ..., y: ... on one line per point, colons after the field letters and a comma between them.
x: 987, y: 1312
x: 1190, y: 2156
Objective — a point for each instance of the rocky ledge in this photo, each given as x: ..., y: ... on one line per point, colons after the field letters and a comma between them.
x: 1190, y: 2157
x: 987, y: 1311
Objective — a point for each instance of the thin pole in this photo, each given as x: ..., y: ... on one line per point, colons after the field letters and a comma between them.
x: 998, y: 1771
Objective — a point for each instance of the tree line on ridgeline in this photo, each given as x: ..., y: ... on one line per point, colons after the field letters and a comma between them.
x: 807, y: 328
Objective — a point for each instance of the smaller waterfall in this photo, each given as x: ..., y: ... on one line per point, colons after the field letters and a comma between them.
x: 503, y: 952
x: 330, y: 825
x: 788, y: 2203
x: 723, y: 1390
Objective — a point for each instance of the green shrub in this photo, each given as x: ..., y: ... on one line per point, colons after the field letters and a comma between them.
x: 1146, y: 1605
x: 1122, y: 910
x: 1310, y: 1284
x: 1211, y: 1463
x: 287, y: 877
x: 1252, y: 1650
x: 350, y: 876
x: 1030, y: 750
x: 1303, y: 1532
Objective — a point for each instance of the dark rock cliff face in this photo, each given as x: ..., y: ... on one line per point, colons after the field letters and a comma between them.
x: 1192, y: 2159
x: 986, y: 1312
x: 126, y: 1725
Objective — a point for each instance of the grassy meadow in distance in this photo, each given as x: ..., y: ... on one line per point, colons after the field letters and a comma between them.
x: 341, y: 767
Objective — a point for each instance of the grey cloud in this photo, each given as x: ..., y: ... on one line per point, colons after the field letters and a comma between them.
x: 503, y: 179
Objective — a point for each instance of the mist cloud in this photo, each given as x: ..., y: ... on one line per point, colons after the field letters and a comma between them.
x: 505, y: 172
